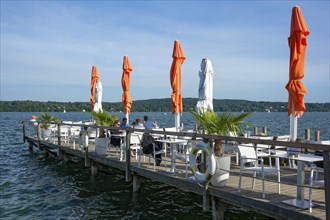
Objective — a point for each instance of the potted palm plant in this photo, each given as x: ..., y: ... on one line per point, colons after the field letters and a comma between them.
x: 102, y: 118
x: 45, y: 126
x: 224, y: 124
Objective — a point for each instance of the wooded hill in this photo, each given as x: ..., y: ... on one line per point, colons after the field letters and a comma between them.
x: 156, y: 105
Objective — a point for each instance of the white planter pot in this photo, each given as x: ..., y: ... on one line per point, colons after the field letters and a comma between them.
x: 101, y: 145
x: 46, y: 134
x: 223, y: 167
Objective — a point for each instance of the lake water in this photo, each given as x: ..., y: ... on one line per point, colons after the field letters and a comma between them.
x: 33, y: 188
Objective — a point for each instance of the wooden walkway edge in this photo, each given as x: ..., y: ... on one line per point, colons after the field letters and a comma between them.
x: 219, y: 198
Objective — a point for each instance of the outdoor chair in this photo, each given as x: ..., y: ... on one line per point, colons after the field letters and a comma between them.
x: 185, y: 153
x: 248, y: 155
x: 150, y: 155
x: 314, y: 182
x: 136, y: 143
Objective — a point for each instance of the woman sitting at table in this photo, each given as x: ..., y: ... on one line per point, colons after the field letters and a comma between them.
x: 115, y: 141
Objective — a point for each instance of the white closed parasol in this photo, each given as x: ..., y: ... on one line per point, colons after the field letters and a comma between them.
x: 205, y: 89
x: 98, y: 97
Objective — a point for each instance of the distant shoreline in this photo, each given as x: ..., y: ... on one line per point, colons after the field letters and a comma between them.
x: 157, y: 105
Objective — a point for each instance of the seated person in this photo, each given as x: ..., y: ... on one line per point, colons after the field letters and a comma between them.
x: 124, y: 123
x: 115, y: 141
x: 138, y: 124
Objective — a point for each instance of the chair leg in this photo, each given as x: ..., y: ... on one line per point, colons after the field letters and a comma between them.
x: 279, y: 182
x: 140, y: 153
x: 239, y: 182
x: 263, y: 185
x: 310, y: 200
x: 270, y: 161
x: 254, y: 179
x: 310, y: 190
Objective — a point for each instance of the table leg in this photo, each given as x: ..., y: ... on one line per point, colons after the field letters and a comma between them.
x: 300, y: 201
x: 172, y: 158
x: 122, y: 150
x: 165, y: 149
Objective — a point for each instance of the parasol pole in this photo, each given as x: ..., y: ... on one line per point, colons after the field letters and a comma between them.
x: 177, y: 121
x: 293, y: 124
x: 126, y: 115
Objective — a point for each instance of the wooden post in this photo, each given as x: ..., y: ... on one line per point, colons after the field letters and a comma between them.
x: 23, y: 127
x: 58, y: 134
x: 255, y: 130
x: 66, y: 157
x: 128, y: 157
x: 30, y: 146
x: 59, y: 152
x: 264, y: 130
x: 326, y: 165
x: 39, y: 131
x: 94, y: 169
x: 307, y: 139
x: 307, y: 134
x: 206, y: 199
x: 218, y: 208
x: 46, y: 152
x: 317, y: 135
x: 326, y: 160
x: 136, y: 184
x: 39, y: 135
x: 87, y: 160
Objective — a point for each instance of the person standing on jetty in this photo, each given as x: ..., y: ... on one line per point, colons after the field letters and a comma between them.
x: 148, y: 125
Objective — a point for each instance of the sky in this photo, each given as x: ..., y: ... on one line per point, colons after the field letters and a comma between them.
x: 48, y: 48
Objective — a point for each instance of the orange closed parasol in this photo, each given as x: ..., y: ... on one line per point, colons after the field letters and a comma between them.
x: 175, y: 75
x: 298, y: 44
x: 296, y: 89
x: 95, y: 78
x: 125, y: 82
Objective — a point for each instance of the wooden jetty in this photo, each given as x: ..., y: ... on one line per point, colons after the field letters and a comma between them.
x: 217, y: 199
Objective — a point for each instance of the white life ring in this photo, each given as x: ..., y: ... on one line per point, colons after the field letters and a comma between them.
x: 202, y: 178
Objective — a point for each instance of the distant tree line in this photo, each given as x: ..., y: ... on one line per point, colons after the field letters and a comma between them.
x: 156, y: 105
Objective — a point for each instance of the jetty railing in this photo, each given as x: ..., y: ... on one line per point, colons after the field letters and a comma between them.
x: 305, y: 145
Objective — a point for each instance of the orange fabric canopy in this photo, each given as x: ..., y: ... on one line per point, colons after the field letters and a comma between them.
x: 125, y: 82
x: 95, y: 78
x: 298, y: 44
x: 175, y: 75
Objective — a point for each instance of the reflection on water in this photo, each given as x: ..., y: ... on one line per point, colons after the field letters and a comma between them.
x: 31, y: 188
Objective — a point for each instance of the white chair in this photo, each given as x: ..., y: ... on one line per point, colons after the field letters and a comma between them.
x: 136, y: 143
x: 314, y: 182
x: 65, y: 133
x: 186, y: 151
x: 248, y: 155
x: 150, y: 155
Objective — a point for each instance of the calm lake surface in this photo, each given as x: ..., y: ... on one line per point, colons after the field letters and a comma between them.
x: 31, y: 188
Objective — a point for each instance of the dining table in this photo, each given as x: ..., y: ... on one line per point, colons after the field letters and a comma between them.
x: 301, y: 159
x: 173, y: 143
